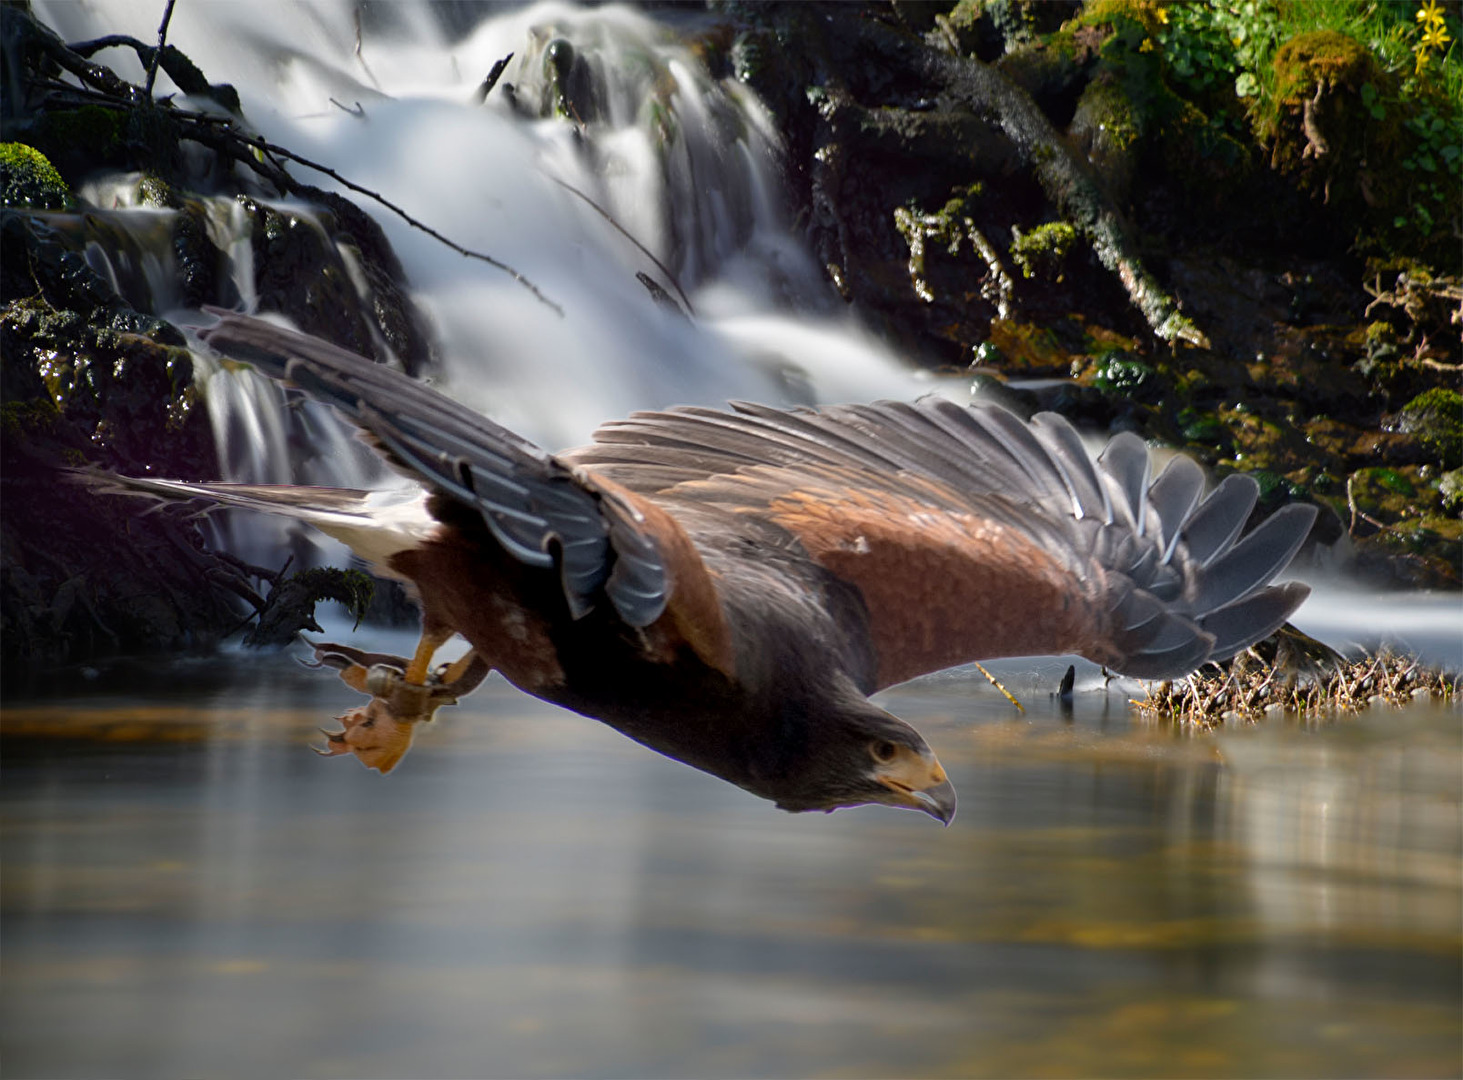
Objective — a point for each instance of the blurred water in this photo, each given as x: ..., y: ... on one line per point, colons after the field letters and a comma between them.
x: 685, y: 162
x: 189, y: 892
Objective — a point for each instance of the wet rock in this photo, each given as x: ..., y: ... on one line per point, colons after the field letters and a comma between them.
x: 299, y: 273
x: 1450, y: 491
x: 395, y: 317
x: 1418, y: 553
x: 28, y: 180
x: 84, y: 575
x: 1435, y: 417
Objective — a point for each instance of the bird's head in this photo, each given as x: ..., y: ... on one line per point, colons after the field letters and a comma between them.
x: 855, y: 753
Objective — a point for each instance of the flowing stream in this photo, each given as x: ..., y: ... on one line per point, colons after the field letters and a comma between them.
x: 189, y: 892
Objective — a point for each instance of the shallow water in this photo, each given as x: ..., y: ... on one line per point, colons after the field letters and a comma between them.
x: 189, y: 892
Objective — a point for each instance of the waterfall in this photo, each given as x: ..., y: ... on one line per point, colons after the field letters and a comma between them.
x: 685, y: 163
x: 605, y: 126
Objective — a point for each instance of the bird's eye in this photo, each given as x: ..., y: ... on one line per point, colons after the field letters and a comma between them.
x: 883, y: 751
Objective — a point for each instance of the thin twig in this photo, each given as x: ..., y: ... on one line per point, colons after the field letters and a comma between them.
x: 997, y: 684
x: 162, y: 39
x: 623, y: 232
x: 264, y: 146
x: 108, y: 89
x: 494, y: 74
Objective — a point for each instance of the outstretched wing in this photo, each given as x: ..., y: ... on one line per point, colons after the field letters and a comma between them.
x: 972, y: 534
x: 539, y: 509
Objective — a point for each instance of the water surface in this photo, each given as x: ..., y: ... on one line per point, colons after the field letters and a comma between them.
x: 189, y: 892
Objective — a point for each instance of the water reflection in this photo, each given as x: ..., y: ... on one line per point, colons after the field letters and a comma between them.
x: 187, y: 891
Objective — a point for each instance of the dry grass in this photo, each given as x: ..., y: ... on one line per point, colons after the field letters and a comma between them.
x: 1298, y: 677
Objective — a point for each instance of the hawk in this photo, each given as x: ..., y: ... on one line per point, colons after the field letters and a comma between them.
x: 728, y: 587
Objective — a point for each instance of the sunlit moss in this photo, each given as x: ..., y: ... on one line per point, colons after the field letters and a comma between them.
x: 28, y: 179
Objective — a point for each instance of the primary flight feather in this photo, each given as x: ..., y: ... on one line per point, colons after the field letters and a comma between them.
x: 727, y: 587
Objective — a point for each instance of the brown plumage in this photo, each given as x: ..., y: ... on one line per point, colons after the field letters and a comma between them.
x: 728, y: 587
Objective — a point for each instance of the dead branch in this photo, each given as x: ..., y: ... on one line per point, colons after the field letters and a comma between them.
x: 162, y: 40
x: 626, y: 234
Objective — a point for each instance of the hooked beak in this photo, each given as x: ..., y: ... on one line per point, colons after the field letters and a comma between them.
x: 920, y: 783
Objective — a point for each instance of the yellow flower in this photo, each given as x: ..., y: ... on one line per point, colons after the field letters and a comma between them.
x: 1147, y: 45
x: 1435, y: 36
x: 1422, y: 58
x: 1429, y: 14
x: 1162, y: 14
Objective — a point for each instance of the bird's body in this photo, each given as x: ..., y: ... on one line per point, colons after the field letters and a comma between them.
x: 728, y: 587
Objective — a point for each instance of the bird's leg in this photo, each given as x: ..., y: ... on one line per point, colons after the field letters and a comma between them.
x: 455, y: 671
x: 380, y: 732
x: 433, y: 638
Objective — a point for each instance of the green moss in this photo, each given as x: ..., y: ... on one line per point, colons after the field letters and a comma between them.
x: 1123, y: 375
x: 1146, y: 15
x: 1392, y: 480
x: 28, y: 179
x: 1450, y: 489
x: 1436, y: 418
x: 1105, y: 106
x: 153, y: 190
x: 1043, y: 250
x: 351, y: 588
x: 1321, y: 57
x: 1202, y: 427
x: 21, y: 419
x: 100, y: 131
x: 950, y: 226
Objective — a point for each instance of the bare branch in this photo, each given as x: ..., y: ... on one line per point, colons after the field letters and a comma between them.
x: 623, y: 232
x: 162, y: 39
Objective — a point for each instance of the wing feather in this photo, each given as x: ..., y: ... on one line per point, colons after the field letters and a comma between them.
x: 971, y: 533
x: 533, y: 505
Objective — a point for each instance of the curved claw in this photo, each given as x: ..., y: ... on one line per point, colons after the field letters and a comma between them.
x: 373, y: 733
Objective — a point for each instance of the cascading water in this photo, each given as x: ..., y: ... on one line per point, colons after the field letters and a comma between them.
x: 601, y: 114
x: 684, y: 163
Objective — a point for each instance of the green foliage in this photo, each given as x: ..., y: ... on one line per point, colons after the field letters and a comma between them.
x: 350, y: 588
x: 1042, y: 251
x: 1252, y: 65
x: 28, y: 179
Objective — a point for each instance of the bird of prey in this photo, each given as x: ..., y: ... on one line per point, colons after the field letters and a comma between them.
x: 729, y: 587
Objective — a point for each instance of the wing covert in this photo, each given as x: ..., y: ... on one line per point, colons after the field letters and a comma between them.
x: 974, y: 534
x: 539, y: 510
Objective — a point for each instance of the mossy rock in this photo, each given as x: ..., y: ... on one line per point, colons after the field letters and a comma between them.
x: 1389, y: 495
x: 29, y: 180
x: 1450, y: 490
x: 1435, y: 417
x: 1422, y: 552
x: 1146, y: 15
x: 1028, y: 348
x: 1321, y: 56
x: 1107, y: 129
x: 1265, y: 442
